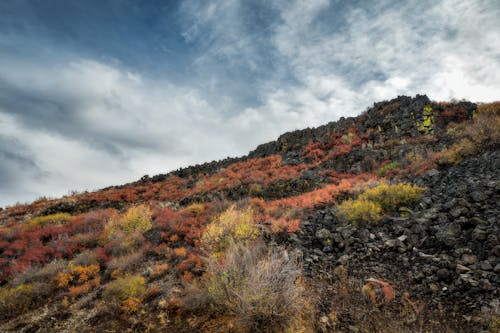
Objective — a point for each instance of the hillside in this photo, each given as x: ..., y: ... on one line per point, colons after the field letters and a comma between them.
x: 384, y: 222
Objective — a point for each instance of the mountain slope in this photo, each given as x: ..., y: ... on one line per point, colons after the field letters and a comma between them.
x: 320, y: 191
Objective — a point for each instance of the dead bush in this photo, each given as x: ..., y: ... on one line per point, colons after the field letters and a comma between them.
x: 258, y: 285
x: 86, y: 258
x: 40, y: 274
x: 127, y: 263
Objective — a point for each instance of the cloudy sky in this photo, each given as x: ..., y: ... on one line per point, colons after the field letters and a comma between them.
x: 96, y: 93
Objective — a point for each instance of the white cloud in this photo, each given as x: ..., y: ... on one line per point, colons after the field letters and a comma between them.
x: 88, y: 124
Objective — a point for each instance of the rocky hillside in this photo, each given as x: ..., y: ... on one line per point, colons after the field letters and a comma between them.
x: 385, y: 222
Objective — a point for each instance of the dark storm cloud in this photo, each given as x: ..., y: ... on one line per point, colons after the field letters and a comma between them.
x: 16, y: 161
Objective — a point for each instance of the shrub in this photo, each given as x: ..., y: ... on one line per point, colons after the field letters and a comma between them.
x: 130, y: 305
x: 84, y: 288
x: 13, y: 301
x: 59, y: 218
x: 180, y: 252
x: 259, y: 286
x: 62, y: 279
x: 391, y: 197
x: 474, y: 136
x: 390, y: 166
x: 40, y: 274
x: 86, y: 258
x: 196, y: 208
x: 78, y: 279
x: 123, y: 244
x: 283, y: 225
x: 373, y: 202
x: 159, y: 270
x: 360, y: 211
x: 379, y: 291
x: 84, y: 273
x: 192, y: 263
x: 494, y: 325
x: 485, y: 124
x: 125, y: 263
x: 136, y: 218
x: 255, y: 190
x: 232, y: 226
x: 458, y: 151
x: 162, y: 250
x: 126, y: 287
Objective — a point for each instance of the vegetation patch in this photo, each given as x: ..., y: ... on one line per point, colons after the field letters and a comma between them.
x: 259, y: 286
x: 370, y: 205
x: 136, y: 218
x: 232, y: 226
x: 59, y: 218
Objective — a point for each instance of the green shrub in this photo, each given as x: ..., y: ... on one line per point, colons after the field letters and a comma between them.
x: 58, y: 218
x: 391, y: 197
x: 360, y: 211
x: 232, y: 226
x: 133, y: 286
x: 382, y: 171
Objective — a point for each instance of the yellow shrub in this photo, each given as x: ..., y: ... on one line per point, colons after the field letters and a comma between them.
x: 125, y: 287
x: 196, y: 208
x: 391, y: 197
x: 458, y: 151
x: 232, y: 226
x: 485, y: 125
x: 360, y: 211
x: 494, y: 325
x: 15, y: 300
x: 6, y: 293
x: 136, y: 218
x: 474, y: 136
x: 58, y: 218
x: 255, y: 190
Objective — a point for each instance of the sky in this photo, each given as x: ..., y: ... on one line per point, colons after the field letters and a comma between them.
x: 100, y: 93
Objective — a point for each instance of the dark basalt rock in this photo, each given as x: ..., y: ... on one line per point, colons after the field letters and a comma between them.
x: 449, y: 244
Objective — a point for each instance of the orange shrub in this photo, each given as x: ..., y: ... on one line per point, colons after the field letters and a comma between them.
x: 130, y: 305
x: 283, y: 225
x: 84, y: 273
x: 62, y: 279
x: 85, y: 288
x: 180, y: 252
x: 187, y: 277
x: 159, y: 270
x: 323, y: 195
x: 192, y: 263
x: 162, y: 250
